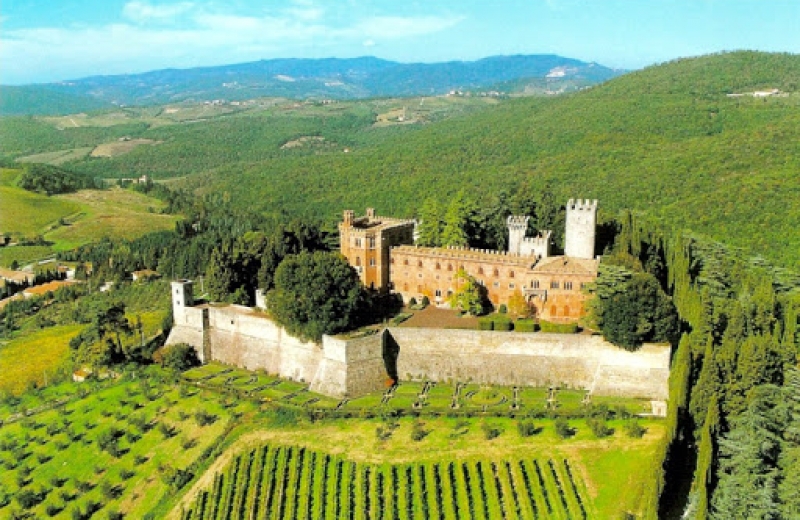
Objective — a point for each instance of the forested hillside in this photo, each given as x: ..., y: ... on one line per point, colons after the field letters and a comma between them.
x: 668, y: 140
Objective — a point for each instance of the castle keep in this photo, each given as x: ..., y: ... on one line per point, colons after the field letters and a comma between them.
x: 382, y: 251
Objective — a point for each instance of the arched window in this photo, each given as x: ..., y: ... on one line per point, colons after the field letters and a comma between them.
x: 358, y: 261
x: 496, y: 272
x: 553, y: 311
x: 480, y: 270
x: 511, y: 274
x: 438, y: 266
x: 405, y: 262
x: 566, y: 310
x: 449, y: 267
x: 419, y: 263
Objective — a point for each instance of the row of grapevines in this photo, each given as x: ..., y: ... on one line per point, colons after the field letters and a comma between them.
x: 289, y: 482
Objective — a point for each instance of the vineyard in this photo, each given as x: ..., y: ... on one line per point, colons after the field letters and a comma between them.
x: 278, y: 482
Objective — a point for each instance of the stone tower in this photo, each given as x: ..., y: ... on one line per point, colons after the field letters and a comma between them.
x: 181, y: 299
x: 517, y: 227
x: 581, y: 228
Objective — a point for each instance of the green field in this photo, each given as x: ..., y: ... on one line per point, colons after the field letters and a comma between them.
x: 73, y: 219
x: 44, y: 352
x: 114, y: 446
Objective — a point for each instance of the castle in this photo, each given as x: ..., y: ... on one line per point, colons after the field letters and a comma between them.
x: 382, y: 251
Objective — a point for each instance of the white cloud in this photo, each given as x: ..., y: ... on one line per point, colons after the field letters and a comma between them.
x: 142, y: 12
x: 202, y: 38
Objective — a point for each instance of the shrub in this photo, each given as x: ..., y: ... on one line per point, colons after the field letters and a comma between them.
x: 525, y: 325
x: 418, y: 431
x: 28, y: 499
x: 599, y: 427
x: 560, y: 328
x: 412, y: 302
x: 204, y: 418
x: 491, y: 431
x: 53, y: 510
x: 502, y: 309
x: 527, y: 428
x: 425, y: 302
x: 563, y: 428
x: 634, y: 429
x: 502, y: 322
x: 485, y: 324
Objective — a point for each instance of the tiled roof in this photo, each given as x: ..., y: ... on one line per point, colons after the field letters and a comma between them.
x: 567, y: 265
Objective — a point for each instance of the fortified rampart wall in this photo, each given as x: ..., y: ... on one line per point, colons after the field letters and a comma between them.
x: 532, y: 359
x: 342, y: 367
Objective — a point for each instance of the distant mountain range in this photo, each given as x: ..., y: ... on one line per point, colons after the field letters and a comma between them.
x: 330, y: 78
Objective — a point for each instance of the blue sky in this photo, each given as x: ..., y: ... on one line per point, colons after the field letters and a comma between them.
x: 52, y: 40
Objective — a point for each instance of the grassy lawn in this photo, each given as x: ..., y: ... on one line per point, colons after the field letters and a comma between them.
x: 26, y: 213
x: 43, y: 353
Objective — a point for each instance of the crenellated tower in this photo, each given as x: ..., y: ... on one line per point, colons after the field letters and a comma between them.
x: 517, y: 226
x: 581, y: 228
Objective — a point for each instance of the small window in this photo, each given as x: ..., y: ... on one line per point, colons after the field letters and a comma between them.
x: 554, y: 284
x: 449, y: 267
x: 583, y: 286
x: 480, y: 270
x: 419, y: 275
x: 511, y: 274
x: 496, y: 273
x: 392, y: 261
x: 511, y: 286
x: 419, y: 263
x: 405, y: 262
x: 358, y: 261
x: 568, y: 286
x: 438, y: 293
x: 496, y: 284
x: 535, y: 284
x: 449, y: 293
x: 405, y: 287
x: 372, y: 243
x: 438, y: 266
x: 372, y: 262
x: 358, y: 242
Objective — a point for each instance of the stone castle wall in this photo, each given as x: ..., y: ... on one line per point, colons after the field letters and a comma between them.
x: 532, y: 359
x: 350, y: 367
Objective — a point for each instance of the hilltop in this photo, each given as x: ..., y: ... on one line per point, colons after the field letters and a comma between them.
x: 330, y: 78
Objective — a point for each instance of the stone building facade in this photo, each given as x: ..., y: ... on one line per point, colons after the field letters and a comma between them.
x: 381, y: 249
x: 366, y: 242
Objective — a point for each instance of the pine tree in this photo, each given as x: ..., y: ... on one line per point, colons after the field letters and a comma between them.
x: 430, y: 225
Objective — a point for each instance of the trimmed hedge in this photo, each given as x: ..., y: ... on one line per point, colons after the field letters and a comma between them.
x: 562, y: 328
x: 525, y: 325
x: 485, y: 324
x: 502, y: 322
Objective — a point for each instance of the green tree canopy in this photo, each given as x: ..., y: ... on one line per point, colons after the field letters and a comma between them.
x: 315, y: 293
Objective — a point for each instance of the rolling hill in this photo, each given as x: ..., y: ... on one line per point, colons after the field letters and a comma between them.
x: 330, y: 78
x: 685, y: 141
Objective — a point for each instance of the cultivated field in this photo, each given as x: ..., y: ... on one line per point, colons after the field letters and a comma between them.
x: 44, y: 352
x: 107, y: 446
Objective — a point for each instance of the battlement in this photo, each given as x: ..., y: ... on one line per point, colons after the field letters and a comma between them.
x: 517, y: 221
x: 541, y: 239
x: 465, y: 253
x: 582, y: 204
x: 370, y: 222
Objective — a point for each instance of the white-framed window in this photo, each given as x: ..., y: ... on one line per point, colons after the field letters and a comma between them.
x: 568, y: 286
x: 554, y: 284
